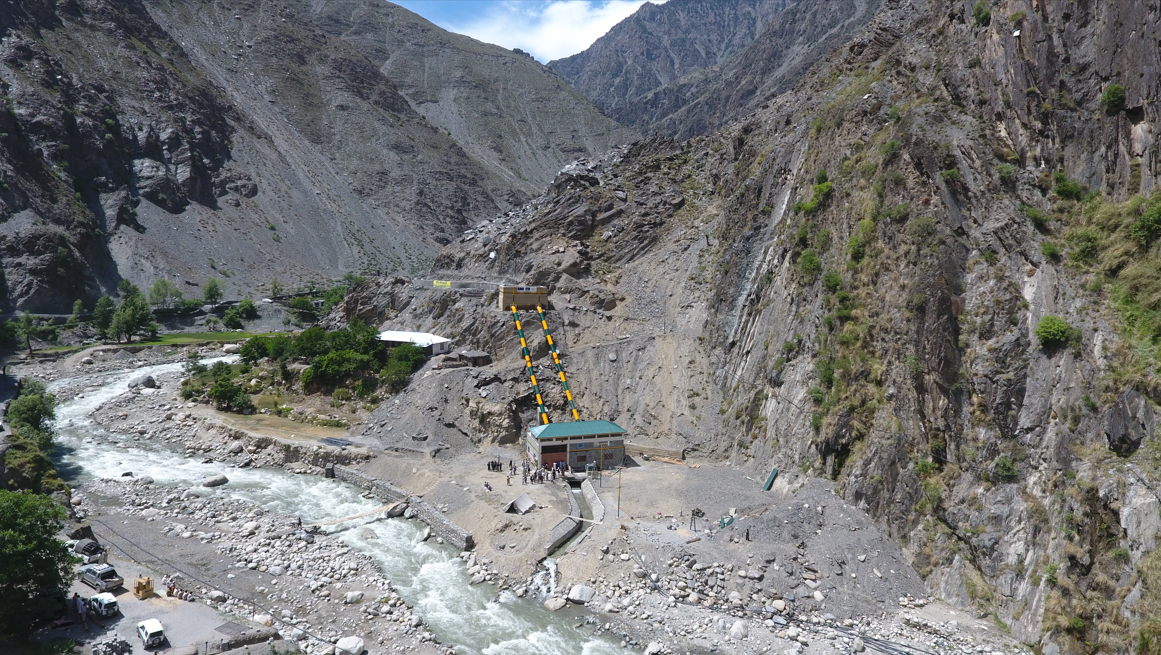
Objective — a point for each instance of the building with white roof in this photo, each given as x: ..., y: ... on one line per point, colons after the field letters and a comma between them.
x: 432, y: 344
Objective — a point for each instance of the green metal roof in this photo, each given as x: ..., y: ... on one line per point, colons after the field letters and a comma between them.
x: 576, y: 429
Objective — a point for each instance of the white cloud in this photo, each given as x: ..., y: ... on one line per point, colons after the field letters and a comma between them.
x: 549, y: 30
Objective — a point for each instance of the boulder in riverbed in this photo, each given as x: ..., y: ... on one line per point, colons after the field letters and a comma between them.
x: 349, y: 646
x: 553, y: 604
x: 146, y: 381
x: 215, y: 480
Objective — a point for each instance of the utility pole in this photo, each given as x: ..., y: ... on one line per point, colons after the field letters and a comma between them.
x: 619, y: 472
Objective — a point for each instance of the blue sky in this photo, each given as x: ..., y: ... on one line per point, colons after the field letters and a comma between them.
x: 549, y: 29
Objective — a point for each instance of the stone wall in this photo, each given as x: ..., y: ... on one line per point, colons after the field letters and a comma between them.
x: 439, y: 524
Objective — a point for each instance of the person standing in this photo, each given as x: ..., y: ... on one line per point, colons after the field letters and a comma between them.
x: 82, y: 611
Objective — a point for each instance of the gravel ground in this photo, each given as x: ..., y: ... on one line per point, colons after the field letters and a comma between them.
x: 816, y: 575
x: 252, y: 566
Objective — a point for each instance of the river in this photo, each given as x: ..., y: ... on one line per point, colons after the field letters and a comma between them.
x: 430, y: 577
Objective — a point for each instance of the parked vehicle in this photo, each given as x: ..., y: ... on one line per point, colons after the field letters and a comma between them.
x: 104, y: 604
x: 101, y: 577
x: 88, y: 550
x: 151, y: 632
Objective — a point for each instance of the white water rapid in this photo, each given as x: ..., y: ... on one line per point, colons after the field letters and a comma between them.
x: 430, y: 577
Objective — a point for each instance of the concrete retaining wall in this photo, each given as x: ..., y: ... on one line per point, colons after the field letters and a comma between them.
x: 563, y: 531
x: 440, y: 525
x: 594, y: 501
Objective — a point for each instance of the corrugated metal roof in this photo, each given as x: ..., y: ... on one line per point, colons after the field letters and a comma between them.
x: 421, y: 339
x: 576, y: 429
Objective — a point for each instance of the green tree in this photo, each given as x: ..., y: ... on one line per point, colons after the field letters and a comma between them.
x: 405, y: 359
x: 247, y: 309
x: 103, y: 315
x: 276, y: 288
x: 37, y: 568
x: 229, y: 395
x: 212, y: 323
x: 78, y: 309
x: 212, y: 291
x: 301, y: 304
x: 232, y: 319
x: 132, y: 315
x: 164, y: 294
x: 27, y: 329
x: 34, y: 406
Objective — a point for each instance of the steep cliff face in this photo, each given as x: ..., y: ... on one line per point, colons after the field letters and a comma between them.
x: 854, y: 280
x: 792, y: 42
x: 250, y: 140
x: 688, y: 68
x: 661, y: 43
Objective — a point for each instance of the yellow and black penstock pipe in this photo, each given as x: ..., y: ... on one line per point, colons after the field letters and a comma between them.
x: 556, y: 360
x: 528, y: 365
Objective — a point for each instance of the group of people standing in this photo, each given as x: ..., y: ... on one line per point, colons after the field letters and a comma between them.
x: 530, y: 473
x: 543, y: 473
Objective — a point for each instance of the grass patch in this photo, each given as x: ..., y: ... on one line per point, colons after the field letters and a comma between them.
x: 1106, y: 239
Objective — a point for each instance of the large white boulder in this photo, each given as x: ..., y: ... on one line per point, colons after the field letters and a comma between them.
x: 581, y: 594
x: 349, y: 646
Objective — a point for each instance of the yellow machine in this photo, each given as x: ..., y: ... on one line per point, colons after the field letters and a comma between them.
x: 143, y: 587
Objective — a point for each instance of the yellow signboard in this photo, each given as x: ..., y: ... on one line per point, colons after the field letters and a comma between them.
x: 445, y: 284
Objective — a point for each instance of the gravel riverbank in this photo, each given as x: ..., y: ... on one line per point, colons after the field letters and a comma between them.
x: 822, y: 580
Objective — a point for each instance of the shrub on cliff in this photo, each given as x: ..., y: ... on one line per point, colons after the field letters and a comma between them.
x: 1113, y: 98
x: 1053, y: 332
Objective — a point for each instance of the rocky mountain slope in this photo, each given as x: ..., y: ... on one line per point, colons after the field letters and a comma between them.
x: 854, y: 281
x: 687, y: 68
x: 251, y: 140
x: 509, y: 113
x: 660, y: 43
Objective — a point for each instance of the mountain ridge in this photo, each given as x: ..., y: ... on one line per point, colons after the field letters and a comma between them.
x: 776, y: 46
x: 241, y: 140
